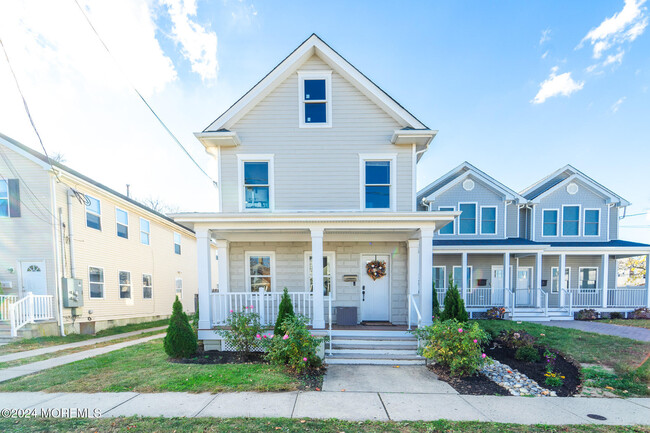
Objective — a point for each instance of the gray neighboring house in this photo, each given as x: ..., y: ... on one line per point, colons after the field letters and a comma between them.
x: 565, y: 221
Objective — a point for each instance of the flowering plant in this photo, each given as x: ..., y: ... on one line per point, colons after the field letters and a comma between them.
x: 496, y: 313
x: 552, y: 378
x: 298, y: 348
x: 376, y: 269
x: 455, y: 345
x: 244, y: 331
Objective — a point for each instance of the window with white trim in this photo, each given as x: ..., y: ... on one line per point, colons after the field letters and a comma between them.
x: 588, y: 279
x: 4, y: 198
x: 549, y: 222
x: 449, y: 228
x: 457, y: 275
x: 145, y: 232
x: 315, y: 99
x: 177, y: 243
x: 93, y: 213
x: 256, y: 185
x: 488, y: 220
x: 125, y: 284
x: 96, y: 282
x: 467, y: 219
x: 377, y: 184
x: 570, y: 220
x: 592, y: 222
x: 439, y: 274
x: 555, y: 288
x: 328, y: 273
x: 178, y: 285
x: 122, y: 220
x: 259, y: 271
x: 147, y: 286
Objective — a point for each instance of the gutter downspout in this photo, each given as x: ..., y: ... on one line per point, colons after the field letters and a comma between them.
x: 58, y: 285
x: 70, y: 234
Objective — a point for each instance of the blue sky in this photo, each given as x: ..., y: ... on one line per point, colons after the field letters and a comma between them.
x: 472, y: 70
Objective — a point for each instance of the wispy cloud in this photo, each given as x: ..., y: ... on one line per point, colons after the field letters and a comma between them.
x: 198, y: 44
x: 556, y: 85
x: 546, y: 36
x: 623, y: 26
x: 614, y: 58
x: 545, y: 54
x: 617, y: 104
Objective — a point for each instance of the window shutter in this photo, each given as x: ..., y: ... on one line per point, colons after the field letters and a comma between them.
x: 14, y: 198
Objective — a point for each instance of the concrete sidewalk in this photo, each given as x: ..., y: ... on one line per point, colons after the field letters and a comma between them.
x: 35, y: 367
x: 632, y: 332
x: 50, y: 349
x: 355, y: 406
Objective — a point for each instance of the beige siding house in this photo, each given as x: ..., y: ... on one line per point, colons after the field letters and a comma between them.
x: 57, y: 226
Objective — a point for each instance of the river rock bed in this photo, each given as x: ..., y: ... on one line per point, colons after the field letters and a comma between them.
x: 515, y: 382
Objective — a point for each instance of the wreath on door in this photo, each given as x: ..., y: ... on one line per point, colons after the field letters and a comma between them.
x: 376, y: 269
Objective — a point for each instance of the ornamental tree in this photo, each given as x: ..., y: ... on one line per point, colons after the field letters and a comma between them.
x: 180, y: 341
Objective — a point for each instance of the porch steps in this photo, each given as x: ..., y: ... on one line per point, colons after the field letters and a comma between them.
x: 366, y: 347
x: 539, y: 315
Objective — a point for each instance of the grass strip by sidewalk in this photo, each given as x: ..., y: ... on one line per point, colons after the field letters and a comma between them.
x: 636, y: 323
x: 40, y: 342
x: 255, y: 425
x: 145, y: 368
x: 45, y: 356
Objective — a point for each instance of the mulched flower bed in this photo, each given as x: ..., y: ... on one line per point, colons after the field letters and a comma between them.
x: 471, y: 385
x: 536, y: 370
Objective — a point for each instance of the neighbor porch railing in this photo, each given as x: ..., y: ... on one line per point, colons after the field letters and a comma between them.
x: 266, y: 304
x: 628, y: 297
x: 30, y: 309
x: 5, y: 303
x: 587, y: 298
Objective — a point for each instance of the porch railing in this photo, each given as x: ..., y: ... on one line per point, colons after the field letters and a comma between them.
x: 627, y: 297
x: 584, y: 298
x: 485, y: 297
x: 413, y: 307
x: 5, y: 302
x: 30, y: 309
x: 266, y: 304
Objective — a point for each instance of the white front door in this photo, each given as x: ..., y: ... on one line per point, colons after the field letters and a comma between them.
x: 33, y: 278
x: 524, y: 285
x: 375, y: 294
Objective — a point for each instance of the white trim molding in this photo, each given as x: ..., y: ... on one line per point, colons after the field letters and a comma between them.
x: 314, y: 75
x: 496, y: 219
x: 579, y: 221
x: 392, y: 158
x: 255, y: 157
x: 247, y: 257
x: 584, y: 222
x: 557, y: 223
x: 476, y: 217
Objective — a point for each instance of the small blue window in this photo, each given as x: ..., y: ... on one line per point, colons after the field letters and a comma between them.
x: 449, y: 228
x: 256, y: 184
x: 489, y: 220
x: 467, y: 218
x: 550, y: 223
x: 571, y: 221
x: 315, y: 101
x: 316, y: 113
x: 592, y: 219
x: 377, y: 184
x: 315, y: 90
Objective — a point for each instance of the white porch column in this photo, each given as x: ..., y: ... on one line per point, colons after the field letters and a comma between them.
x: 604, y: 278
x: 204, y: 261
x: 647, y: 280
x: 318, y: 321
x: 463, y: 283
x: 538, y: 278
x: 561, y: 277
x: 223, y: 265
x: 426, y: 275
x: 506, y: 277
x: 413, y: 265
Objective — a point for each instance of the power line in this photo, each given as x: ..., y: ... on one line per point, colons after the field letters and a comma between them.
x: 171, y: 134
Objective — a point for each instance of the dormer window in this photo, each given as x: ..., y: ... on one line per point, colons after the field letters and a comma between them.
x: 315, y: 99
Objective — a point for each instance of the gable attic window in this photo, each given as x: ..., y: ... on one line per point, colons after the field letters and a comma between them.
x: 315, y: 99
x: 467, y: 224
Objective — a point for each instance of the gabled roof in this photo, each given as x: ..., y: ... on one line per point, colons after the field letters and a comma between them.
x: 313, y: 45
x: 564, y: 176
x: 46, y: 163
x: 460, y: 173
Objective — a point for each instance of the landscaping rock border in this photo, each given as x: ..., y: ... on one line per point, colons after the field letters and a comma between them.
x: 515, y: 382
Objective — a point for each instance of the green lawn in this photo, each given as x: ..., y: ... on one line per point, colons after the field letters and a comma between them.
x: 628, y: 358
x: 144, y: 368
x: 638, y: 323
x: 40, y: 342
x: 255, y: 425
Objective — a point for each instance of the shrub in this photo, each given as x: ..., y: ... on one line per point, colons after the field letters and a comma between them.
x: 513, y: 339
x: 616, y: 315
x: 285, y: 311
x: 245, y: 331
x: 455, y: 345
x: 454, y: 304
x: 587, y: 314
x: 641, y: 313
x: 436, y: 305
x: 496, y: 313
x: 180, y: 341
x: 297, y: 348
x: 527, y: 354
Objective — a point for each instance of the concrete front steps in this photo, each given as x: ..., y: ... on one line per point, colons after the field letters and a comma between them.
x: 373, y: 347
x: 539, y: 315
x: 30, y: 330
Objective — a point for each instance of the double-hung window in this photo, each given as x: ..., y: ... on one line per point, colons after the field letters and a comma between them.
x: 256, y: 185
x: 147, y: 286
x: 549, y: 223
x: 315, y: 99
x: 328, y: 273
x: 178, y: 284
x: 177, y: 243
x: 439, y: 277
x: 489, y: 220
x: 125, y: 285
x: 592, y: 222
x: 4, y: 198
x: 259, y: 271
x: 96, y: 282
x: 9, y: 198
x: 145, y: 232
x: 122, y: 218
x: 587, y: 279
x: 377, y: 184
x: 458, y: 276
x: 449, y: 228
x: 93, y: 213
x: 555, y: 286
x: 570, y: 220
x: 467, y: 224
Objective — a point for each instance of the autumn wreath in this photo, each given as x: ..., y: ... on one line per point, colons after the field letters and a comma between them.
x: 376, y: 269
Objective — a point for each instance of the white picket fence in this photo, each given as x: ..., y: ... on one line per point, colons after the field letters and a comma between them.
x: 266, y: 304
